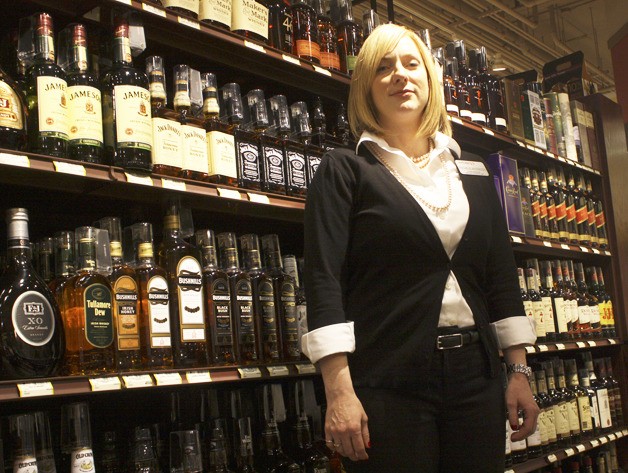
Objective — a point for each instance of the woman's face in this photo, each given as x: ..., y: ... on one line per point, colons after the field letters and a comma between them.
x: 400, y: 89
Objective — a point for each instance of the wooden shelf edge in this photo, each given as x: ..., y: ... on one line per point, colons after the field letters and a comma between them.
x: 567, y: 345
x: 529, y: 244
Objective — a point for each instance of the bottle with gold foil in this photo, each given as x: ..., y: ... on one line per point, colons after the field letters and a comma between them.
x: 327, y: 38
x: 181, y: 261
x: 249, y: 18
x: 349, y: 36
x: 215, y: 13
x: 126, y: 303
x: 195, y: 161
x: 154, y: 316
x: 183, y: 7
x: 13, y: 114
x: 88, y: 313
x: 84, y: 98
x: 126, y: 104
x: 48, y: 125
x: 280, y: 25
x: 218, y: 299
x: 305, y: 31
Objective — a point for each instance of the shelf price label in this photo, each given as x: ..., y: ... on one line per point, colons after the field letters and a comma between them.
x: 570, y: 452
x: 173, y: 185
x: 306, y: 368
x: 625, y: 431
x: 229, y: 193
x: 135, y: 179
x: 191, y: 23
x: 516, y: 239
x: 166, y: 379
x: 259, y: 198
x: 595, y: 443
x: 564, y: 246
x: 321, y: 70
x: 584, y: 249
x: 612, y: 437
x: 592, y: 343
x: 607, y: 253
x: 581, y: 344
x: 548, y: 244
x: 560, y: 346
x: 550, y: 154
x: 110, y: 383
x: 198, y: 377
x: 581, y: 448
x: 612, y: 341
x: 70, y: 168
x: 247, y: 373
x: 126, y: 2
x: 255, y: 46
x: 595, y: 250
x: 530, y: 349
x: 278, y: 370
x: 488, y: 132
x: 551, y: 458
x: 542, y: 348
x: 457, y: 120
x: 291, y: 59
x: 154, y: 10
x: 18, y: 160
x: 603, y: 440
x: 137, y: 381
x: 44, y: 388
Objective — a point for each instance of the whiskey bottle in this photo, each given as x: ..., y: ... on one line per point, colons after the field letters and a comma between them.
x: 294, y: 268
x: 570, y: 211
x: 126, y: 303
x: 43, y: 443
x: 596, y: 303
x: 83, y: 97
x: 144, y: 458
x: 13, y: 114
x: 600, y: 223
x: 32, y: 336
x: 537, y: 439
x: 271, y: 144
x: 183, y: 7
x: 349, y: 36
x: 305, y: 31
x: 562, y: 309
x: 218, y: 297
x: 215, y: 13
x: 457, y: 50
x: 546, y: 286
x: 241, y: 299
x: 575, y: 434
x: 223, y: 167
x: 619, y: 412
x: 108, y: 455
x: 272, y: 458
x: 608, y: 321
x: 559, y: 404
x: 280, y: 25
x: 582, y: 398
x: 46, y: 265
x: 269, y: 347
x: 250, y: 19
x: 519, y: 448
x: 22, y: 439
x: 156, y: 83
x: 572, y: 299
x: 249, y: 160
x: 154, y: 316
x: 46, y: 93
x: 126, y: 99
x: 342, y: 132
x: 327, y: 37
x: 195, y: 163
x: 608, y: 412
x: 477, y: 90
x: 601, y: 394
x: 187, y: 299
x: 285, y: 297
x: 305, y: 454
x: 217, y: 453
x: 494, y: 99
x: 525, y: 296
x: 295, y: 150
x: 545, y: 404
x: 586, y: 316
x: 370, y: 21
x: 585, y: 382
x: 244, y: 461
x: 181, y: 101
x: 450, y: 89
x: 537, y: 304
x: 76, y: 438
x: 64, y: 263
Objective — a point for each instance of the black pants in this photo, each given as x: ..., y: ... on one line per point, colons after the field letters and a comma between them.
x: 455, y: 423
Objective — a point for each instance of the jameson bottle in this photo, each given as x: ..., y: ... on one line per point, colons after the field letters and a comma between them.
x: 13, y: 114
x: 327, y: 37
x: 126, y: 304
x: 263, y: 300
x: 305, y: 31
x: 32, y: 338
x: 241, y: 299
x: 83, y: 97
x: 126, y: 108
x: 349, y: 36
x: 285, y: 297
x: 181, y: 261
x: 48, y: 125
x: 218, y: 299
x: 154, y: 316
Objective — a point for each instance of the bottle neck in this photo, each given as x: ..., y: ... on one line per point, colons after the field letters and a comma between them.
x: 122, y: 46
x: 87, y: 255
x: 44, y: 46
x: 252, y: 260
x: 145, y: 253
x: 79, y: 61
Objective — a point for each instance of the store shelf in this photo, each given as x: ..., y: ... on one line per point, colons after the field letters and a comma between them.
x: 537, y: 246
x: 562, y: 454
x: 559, y: 346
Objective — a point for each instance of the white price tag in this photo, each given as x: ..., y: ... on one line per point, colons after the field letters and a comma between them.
x: 457, y: 120
x: 570, y: 452
x: 530, y: 349
x: 291, y: 59
x: 548, y: 244
x: 488, y: 132
x: 625, y: 431
x: 584, y: 249
x: 174, y: 185
x: 542, y: 348
x: 255, y: 46
x: 607, y: 253
x: 564, y: 160
x: 551, y: 458
x: 612, y: 437
x: 229, y: 193
x: 509, y: 471
x: 603, y: 440
x: 70, y: 168
x: 550, y: 154
x: 154, y: 10
x: 516, y: 239
x: 520, y: 143
x: 278, y: 370
x: 306, y: 368
x: 595, y: 250
x: 191, y: 23
x: 322, y: 70
x: 595, y: 443
x: 564, y: 246
x: 137, y: 380
x: 126, y: 2
x: 560, y: 346
x: 246, y: 373
x: 198, y: 377
x: 530, y: 147
x: 259, y: 198
x: 135, y: 179
x: 581, y: 344
x: 581, y: 448
x: 15, y: 160
x: 165, y: 379
x: 592, y: 343
x: 539, y: 150
x: 619, y: 434
x: 36, y: 389
x: 109, y: 383
x: 612, y: 341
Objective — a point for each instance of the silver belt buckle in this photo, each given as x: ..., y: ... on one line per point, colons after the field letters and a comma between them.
x: 440, y: 338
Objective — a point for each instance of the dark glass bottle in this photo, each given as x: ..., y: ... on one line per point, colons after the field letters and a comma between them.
x: 525, y: 296
x: 244, y: 460
x: 319, y: 124
x: 349, y: 36
x: 602, y: 382
x: 538, y: 308
x: 497, y: 113
x: 456, y: 51
x: 478, y: 90
x: 570, y: 282
x: 46, y: 93
x: 587, y: 305
x: 342, y: 132
x: 545, y: 404
x: 561, y: 206
x: 608, y: 320
x: 295, y: 150
x: 536, y: 439
x: 472, y: 96
x: 569, y: 395
x: 272, y: 458
x: 280, y: 25
x: 217, y: 453
x: 562, y: 310
x: 559, y: 404
x: 600, y: 223
x: 582, y: 398
x: 46, y: 266
x: 585, y: 382
x: 83, y: 95
x: 570, y: 210
x: 305, y: 455
x: 144, y: 459
x: 218, y: 297
x: 65, y: 264
x: 13, y: 114
x: 187, y: 299
x: 271, y: 144
x: 601, y: 394
x: 22, y: 440
x: 250, y: 166
x: 327, y: 37
x: 619, y: 412
x: 32, y: 336
x: 519, y: 448
x: 126, y: 103
x: 547, y: 294
x: 450, y: 76
x: 305, y: 31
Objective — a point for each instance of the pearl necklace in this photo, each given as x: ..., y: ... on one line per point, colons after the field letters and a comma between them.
x: 437, y: 209
x: 423, y: 160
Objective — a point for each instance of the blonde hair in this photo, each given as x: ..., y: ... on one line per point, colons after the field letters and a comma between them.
x: 361, y: 109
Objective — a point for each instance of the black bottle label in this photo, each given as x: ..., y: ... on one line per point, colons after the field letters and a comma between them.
x: 244, y: 297
x: 274, y: 165
x: 312, y: 163
x: 159, y: 312
x: 269, y: 317
x: 222, y: 304
x: 98, y: 315
x: 190, y: 291
x: 296, y: 169
x: 33, y: 318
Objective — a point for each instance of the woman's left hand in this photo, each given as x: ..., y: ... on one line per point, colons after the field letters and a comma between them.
x: 519, y: 398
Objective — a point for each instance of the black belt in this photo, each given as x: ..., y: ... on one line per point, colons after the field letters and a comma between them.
x: 454, y: 337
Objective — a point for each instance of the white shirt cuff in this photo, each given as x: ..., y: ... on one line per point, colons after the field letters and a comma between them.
x: 328, y: 340
x: 513, y: 331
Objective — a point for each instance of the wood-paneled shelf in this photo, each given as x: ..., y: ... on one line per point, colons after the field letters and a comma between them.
x: 523, y: 244
x: 567, y: 345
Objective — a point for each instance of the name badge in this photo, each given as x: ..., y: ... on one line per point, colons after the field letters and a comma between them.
x: 471, y: 168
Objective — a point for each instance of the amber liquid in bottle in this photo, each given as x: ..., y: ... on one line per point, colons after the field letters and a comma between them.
x: 280, y: 25
x: 327, y: 38
x: 13, y: 115
x: 349, y: 39
x: 305, y: 35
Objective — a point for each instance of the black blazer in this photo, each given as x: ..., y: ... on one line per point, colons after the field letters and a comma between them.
x: 373, y: 257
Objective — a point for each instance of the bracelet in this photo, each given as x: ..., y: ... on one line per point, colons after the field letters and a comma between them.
x: 519, y: 368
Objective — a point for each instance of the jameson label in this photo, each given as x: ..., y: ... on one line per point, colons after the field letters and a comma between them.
x: 52, y: 107
x: 221, y: 154
x: 133, y: 123
x: 244, y: 299
x: 248, y: 159
x: 273, y: 165
x: 82, y: 461
x: 248, y: 15
x: 85, y: 115
x: 191, y: 5
x: 221, y: 297
x: 296, y: 168
x: 126, y: 313
x: 159, y: 312
x: 98, y: 315
x: 25, y: 465
x: 33, y: 318
x: 10, y: 111
x: 190, y: 288
x: 290, y: 323
x: 269, y: 315
x: 194, y: 149
x: 216, y: 10
x: 167, y: 143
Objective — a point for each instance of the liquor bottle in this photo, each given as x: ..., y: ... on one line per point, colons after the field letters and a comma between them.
x: 154, y: 317
x: 107, y: 455
x: 370, y: 21
x: 601, y: 394
x: 588, y: 314
x: 525, y: 296
x: 582, y: 212
x: 585, y: 382
x: 573, y: 289
x: 342, y: 132
x: 76, y: 438
x: 268, y: 348
x: 271, y: 144
x: 600, y: 223
x: 294, y: 268
x: 570, y: 210
x: 65, y: 264
x: 538, y: 438
x: 601, y: 375
x: 14, y: 114
x: 185, y: 452
x: 450, y: 76
x: 538, y: 312
x: 126, y: 99
x: 562, y: 310
x: 588, y: 193
x: 319, y: 123
x: 608, y: 321
x: 561, y: 207
x: 43, y: 443
x: 559, y: 404
x: 569, y: 296
x: 250, y: 19
x: 456, y: 50
x: 519, y: 448
x: 619, y: 412
x: 218, y: 301
x: 22, y: 438
x: 349, y: 36
x: 215, y: 13
x: 187, y: 299
x: 295, y: 150
x: 241, y: 299
x: 582, y: 398
x: 547, y: 293
x: 272, y: 459
x: 250, y: 171
x: 596, y: 301
x: 46, y: 93
x: 545, y: 404
x: 183, y: 7
x: 478, y: 90
x: 497, y: 112
x: 156, y: 83
x: 547, y: 226
x: 217, y: 453
x: 305, y: 31
x: 304, y: 453
x: 327, y: 37
x: 244, y: 461
x: 144, y: 458
x: 195, y: 161
x: 569, y: 395
x: 46, y: 266
x: 508, y: 452
x: 83, y: 97
x: 280, y: 25
x: 33, y: 339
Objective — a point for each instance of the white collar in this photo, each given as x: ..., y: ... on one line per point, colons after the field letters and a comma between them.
x: 442, y: 142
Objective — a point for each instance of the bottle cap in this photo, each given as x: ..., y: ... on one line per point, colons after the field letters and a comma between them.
x: 72, y: 46
x: 181, y: 100
x: 300, y: 119
x: 279, y: 114
x: 17, y: 223
x: 255, y: 112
